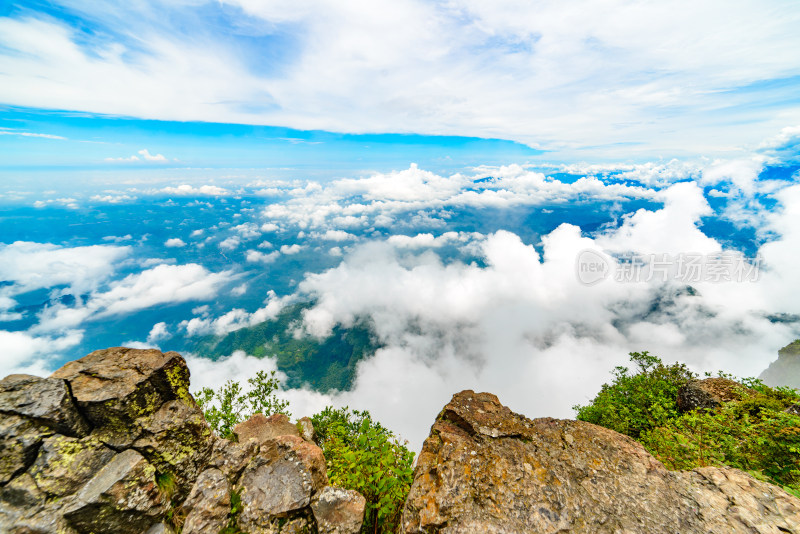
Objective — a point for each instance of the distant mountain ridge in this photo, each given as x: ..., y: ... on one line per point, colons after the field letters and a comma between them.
x: 785, y: 371
x: 324, y: 364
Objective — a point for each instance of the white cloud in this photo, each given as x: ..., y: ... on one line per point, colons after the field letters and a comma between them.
x: 174, y: 242
x: 11, y: 131
x: 188, y: 190
x: 335, y: 235
x: 230, y: 243
x: 247, y: 230
x: 24, y: 353
x: 254, y: 256
x: 161, y: 285
x: 522, y: 325
x: 234, y: 319
x: 147, y: 156
x: 112, y: 199
x: 291, y: 249
x: 158, y: 332
x: 239, y: 290
x: 143, y: 155
x: 41, y: 265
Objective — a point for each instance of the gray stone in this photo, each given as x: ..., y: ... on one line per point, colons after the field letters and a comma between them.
x: 338, y: 511
x: 46, y: 400
x: 122, y: 497
x: 208, y: 504
x: 115, y: 388
x: 20, y: 438
x: 232, y: 457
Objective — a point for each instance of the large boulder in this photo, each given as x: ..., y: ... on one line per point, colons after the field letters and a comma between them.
x: 708, y: 394
x: 486, y: 469
x: 115, y: 388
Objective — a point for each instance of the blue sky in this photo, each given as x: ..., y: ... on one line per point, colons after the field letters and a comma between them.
x: 581, y: 81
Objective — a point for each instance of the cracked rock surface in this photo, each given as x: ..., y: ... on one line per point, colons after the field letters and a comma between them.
x: 486, y: 469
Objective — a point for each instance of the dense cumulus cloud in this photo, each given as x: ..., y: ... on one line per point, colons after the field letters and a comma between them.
x: 455, y: 300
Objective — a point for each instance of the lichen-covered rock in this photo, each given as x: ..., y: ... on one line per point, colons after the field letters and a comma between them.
x: 45, y: 400
x: 176, y: 439
x: 20, y: 438
x: 208, y: 504
x: 122, y: 497
x: 65, y: 464
x: 263, y: 429
x: 486, y: 469
x: 338, y: 511
x: 116, y: 387
x: 232, y: 457
x: 279, y: 482
x: 708, y: 394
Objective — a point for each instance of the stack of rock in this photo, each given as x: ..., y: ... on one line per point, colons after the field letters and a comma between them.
x: 114, y: 442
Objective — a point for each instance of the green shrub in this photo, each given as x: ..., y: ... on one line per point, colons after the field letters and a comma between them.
x: 753, y: 434
x: 750, y: 435
x: 636, y: 403
x: 231, y: 404
x: 364, y: 456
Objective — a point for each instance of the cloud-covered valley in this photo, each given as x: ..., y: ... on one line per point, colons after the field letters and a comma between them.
x: 467, y: 280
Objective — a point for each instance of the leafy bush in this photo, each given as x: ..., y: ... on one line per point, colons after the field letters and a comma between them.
x: 231, y: 404
x: 364, y: 456
x: 753, y: 434
x: 636, y: 403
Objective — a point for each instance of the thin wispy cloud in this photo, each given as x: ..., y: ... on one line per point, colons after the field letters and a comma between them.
x: 590, y: 77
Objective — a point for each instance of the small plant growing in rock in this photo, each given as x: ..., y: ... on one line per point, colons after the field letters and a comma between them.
x: 231, y: 404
